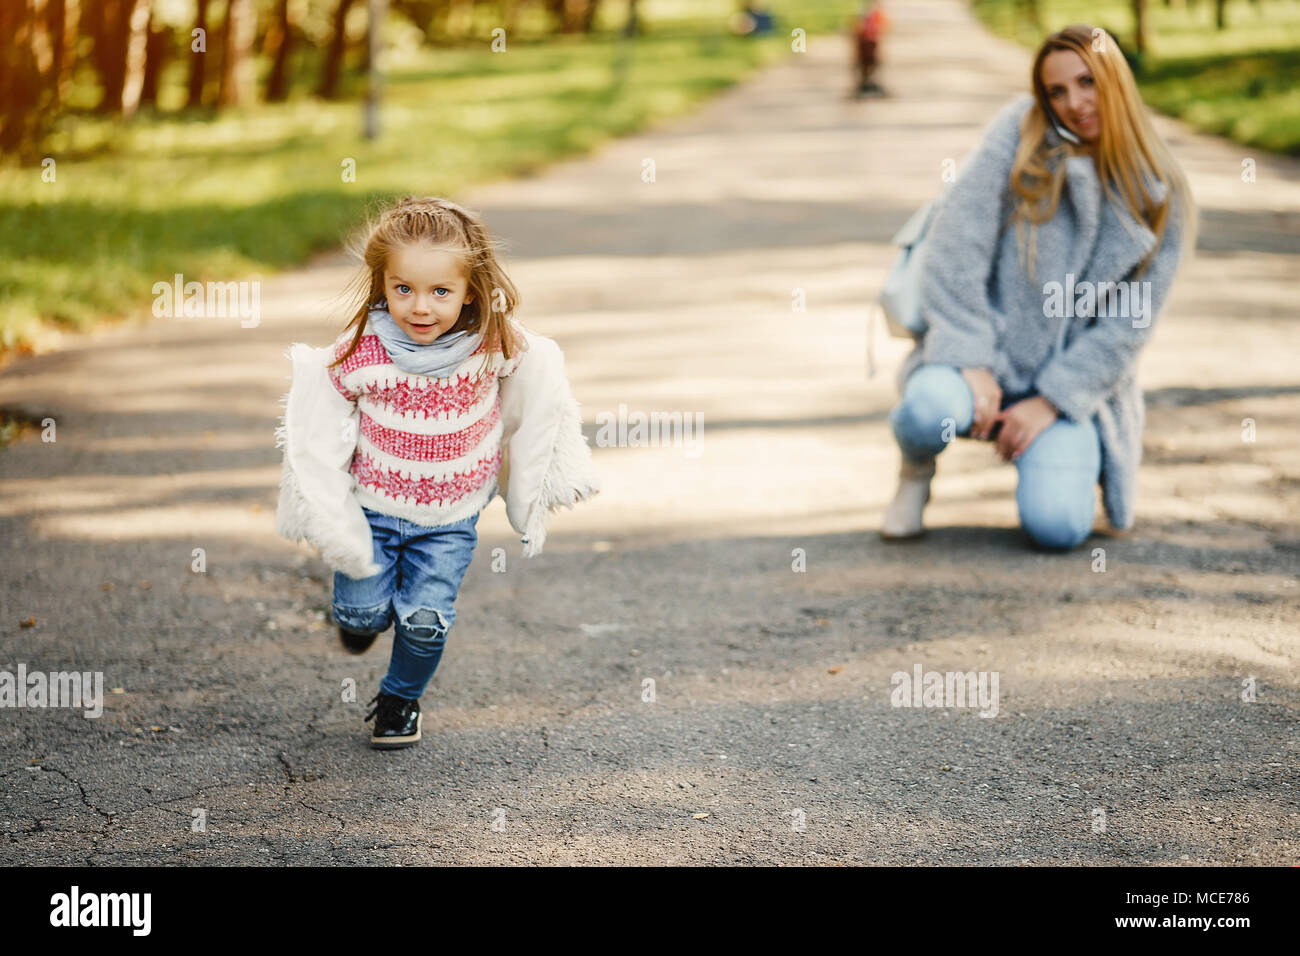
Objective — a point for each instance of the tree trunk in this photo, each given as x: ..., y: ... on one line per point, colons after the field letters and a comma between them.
x: 279, y: 41
x: 120, y: 58
x: 236, y: 41
x: 24, y: 120
x: 65, y: 26
x: 1220, y: 14
x: 1139, y: 26
x: 560, y: 10
x: 100, y: 16
x: 589, y: 16
x: 157, y: 52
x: 41, y: 39
x: 198, y: 60
x: 134, y: 45
x: 110, y: 51
x: 329, y: 78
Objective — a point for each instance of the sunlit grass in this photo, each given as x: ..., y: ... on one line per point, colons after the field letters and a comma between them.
x: 219, y: 197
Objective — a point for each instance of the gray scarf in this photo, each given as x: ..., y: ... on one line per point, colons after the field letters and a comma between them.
x: 437, y: 359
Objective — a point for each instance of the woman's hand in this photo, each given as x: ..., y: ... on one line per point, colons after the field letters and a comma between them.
x: 988, y: 399
x: 1022, y: 423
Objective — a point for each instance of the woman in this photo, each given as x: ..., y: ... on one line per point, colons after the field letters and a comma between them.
x: 1070, y: 189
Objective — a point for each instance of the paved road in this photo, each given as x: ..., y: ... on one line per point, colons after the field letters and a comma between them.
x: 1121, y: 735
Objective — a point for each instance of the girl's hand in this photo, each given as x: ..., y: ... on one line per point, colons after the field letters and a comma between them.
x: 988, y: 399
x: 1022, y: 423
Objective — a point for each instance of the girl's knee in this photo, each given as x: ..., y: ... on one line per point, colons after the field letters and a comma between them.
x: 426, y: 624
x: 364, y: 620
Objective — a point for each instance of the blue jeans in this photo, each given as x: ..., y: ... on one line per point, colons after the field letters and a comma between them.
x: 1056, y: 494
x: 422, y: 571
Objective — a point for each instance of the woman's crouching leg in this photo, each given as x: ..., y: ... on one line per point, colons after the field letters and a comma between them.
x: 936, y: 407
x: 1057, y: 493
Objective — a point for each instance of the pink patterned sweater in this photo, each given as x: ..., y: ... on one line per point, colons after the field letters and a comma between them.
x: 428, y: 449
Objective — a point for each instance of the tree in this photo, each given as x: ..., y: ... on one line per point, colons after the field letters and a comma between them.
x: 198, y: 58
x: 119, y: 53
x: 333, y: 66
x: 157, y: 51
x: 1139, y: 27
x: 65, y: 25
x: 26, y: 65
x: 134, y: 46
x: 279, y: 40
x: 236, y: 42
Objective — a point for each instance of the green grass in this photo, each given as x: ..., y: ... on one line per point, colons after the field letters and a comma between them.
x: 1239, y: 82
x: 259, y: 189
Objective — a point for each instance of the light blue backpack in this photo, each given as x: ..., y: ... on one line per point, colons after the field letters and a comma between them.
x: 900, y: 296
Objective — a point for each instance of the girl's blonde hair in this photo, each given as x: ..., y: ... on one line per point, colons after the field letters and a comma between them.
x: 1129, y: 153
x: 454, y: 229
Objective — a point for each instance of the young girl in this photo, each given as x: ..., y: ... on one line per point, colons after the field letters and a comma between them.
x: 395, y: 436
x: 1097, y: 204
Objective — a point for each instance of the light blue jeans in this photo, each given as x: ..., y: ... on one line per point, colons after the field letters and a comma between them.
x: 422, y: 569
x: 1056, y: 494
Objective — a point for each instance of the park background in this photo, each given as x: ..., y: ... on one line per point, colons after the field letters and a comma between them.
x: 1149, y: 680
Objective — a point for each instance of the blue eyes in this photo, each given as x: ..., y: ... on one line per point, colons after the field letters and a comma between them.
x: 406, y: 290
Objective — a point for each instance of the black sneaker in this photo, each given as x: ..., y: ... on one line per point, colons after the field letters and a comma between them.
x: 398, y: 724
x: 355, y: 642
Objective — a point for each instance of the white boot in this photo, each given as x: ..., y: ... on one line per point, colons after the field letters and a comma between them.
x: 903, y: 516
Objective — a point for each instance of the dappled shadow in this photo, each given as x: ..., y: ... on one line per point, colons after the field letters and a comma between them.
x: 679, y: 229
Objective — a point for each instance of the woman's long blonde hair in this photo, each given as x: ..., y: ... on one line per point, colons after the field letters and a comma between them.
x: 455, y: 229
x: 1128, y: 152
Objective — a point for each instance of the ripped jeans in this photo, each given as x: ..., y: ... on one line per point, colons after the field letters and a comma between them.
x: 422, y: 571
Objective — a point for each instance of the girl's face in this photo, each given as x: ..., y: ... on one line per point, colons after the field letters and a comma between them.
x: 425, y: 287
x: 1071, y: 93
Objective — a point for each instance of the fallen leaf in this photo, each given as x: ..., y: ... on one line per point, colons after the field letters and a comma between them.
x: 30, y: 622
x: 698, y: 816
x: 834, y: 670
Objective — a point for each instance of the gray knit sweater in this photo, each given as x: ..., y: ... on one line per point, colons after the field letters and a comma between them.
x: 983, y: 311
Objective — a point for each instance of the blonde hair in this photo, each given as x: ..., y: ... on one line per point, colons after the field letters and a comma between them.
x: 1128, y: 152
x: 455, y: 229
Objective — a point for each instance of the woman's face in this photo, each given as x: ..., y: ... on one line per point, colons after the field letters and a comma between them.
x: 1071, y: 93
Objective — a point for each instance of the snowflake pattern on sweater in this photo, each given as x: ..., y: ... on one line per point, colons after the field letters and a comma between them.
x: 428, y: 449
